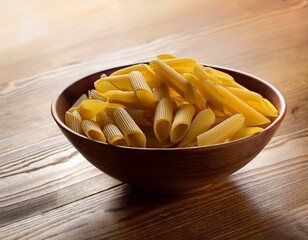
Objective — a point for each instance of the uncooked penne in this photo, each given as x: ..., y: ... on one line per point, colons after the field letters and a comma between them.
x: 133, y: 134
x: 141, y: 88
x: 222, y: 131
x: 201, y: 123
x: 127, y: 98
x: 113, y: 135
x: 121, y: 82
x: 181, y: 122
x: 165, y: 56
x: 79, y: 100
x: 141, y: 117
x: 201, y: 74
x: 102, y: 118
x: 94, y: 95
x: 92, y: 130
x: 163, y: 119
x: 160, y: 92
x: 73, y: 121
x: 174, y: 80
x: 180, y: 65
x: 246, y: 132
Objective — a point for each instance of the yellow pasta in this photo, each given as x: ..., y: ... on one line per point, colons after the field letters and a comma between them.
x: 201, y: 123
x: 92, y: 130
x: 121, y: 82
x: 88, y: 109
x: 165, y: 56
x: 161, y: 92
x: 174, y: 80
x: 73, y: 121
x: 94, y: 95
x: 141, y: 88
x: 102, y: 119
x: 169, y: 102
x: 246, y: 132
x: 181, y: 122
x: 180, y: 65
x: 222, y: 131
x: 163, y: 119
x: 141, y: 117
x: 133, y: 134
x: 113, y: 135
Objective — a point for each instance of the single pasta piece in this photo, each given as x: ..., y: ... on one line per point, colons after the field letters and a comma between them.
x: 103, y: 118
x: 141, y: 88
x: 79, y: 100
x: 102, y: 86
x: 88, y: 109
x: 94, y: 95
x: 127, y: 98
x: 246, y: 131
x: 181, y: 65
x: 114, y: 135
x: 73, y: 121
x: 181, y: 122
x: 145, y: 69
x: 160, y: 92
x: 165, y: 56
x: 201, y: 123
x: 141, y: 117
x: 163, y: 119
x: 92, y: 130
x: 133, y: 134
x: 174, y: 80
x: 121, y: 82
x: 222, y: 131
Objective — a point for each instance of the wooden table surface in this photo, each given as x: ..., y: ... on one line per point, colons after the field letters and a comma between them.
x: 49, y: 191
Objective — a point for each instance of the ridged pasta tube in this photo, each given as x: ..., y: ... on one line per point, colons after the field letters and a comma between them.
x: 222, y: 131
x: 201, y: 123
x: 163, y: 119
x: 79, y: 100
x: 181, y: 65
x: 103, y: 118
x: 160, y: 92
x: 133, y: 134
x: 174, y: 80
x: 181, y: 122
x: 114, y: 135
x: 246, y: 131
x: 92, y: 130
x: 141, y: 88
x: 121, y: 82
x: 141, y: 117
x: 73, y: 121
x: 94, y: 95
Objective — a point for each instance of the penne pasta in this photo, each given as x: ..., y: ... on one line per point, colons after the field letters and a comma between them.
x: 174, y: 80
x: 102, y: 119
x: 201, y: 123
x: 73, y: 121
x: 160, y: 92
x: 113, y: 135
x: 92, y: 130
x: 127, y: 98
x: 121, y: 82
x: 88, y: 109
x: 141, y: 88
x: 181, y: 122
x: 163, y: 119
x: 201, y: 74
x: 246, y: 132
x: 141, y: 117
x: 94, y: 95
x: 222, y: 131
x: 180, y: 65
x: 165, y: 56
x: 133, y: 134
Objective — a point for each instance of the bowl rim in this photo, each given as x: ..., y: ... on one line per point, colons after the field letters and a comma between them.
x: 279, y: 119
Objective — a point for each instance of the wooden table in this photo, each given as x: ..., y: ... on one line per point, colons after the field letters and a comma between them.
x: 49, y: 191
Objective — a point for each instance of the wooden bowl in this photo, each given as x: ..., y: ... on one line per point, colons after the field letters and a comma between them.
x: 170, y: 171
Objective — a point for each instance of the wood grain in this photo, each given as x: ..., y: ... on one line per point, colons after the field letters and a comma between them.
x: 48, y: 190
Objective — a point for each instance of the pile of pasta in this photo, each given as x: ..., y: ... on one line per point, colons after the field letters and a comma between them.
x: 170, y: 102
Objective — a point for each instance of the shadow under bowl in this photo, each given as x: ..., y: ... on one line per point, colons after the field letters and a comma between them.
x: 169, y: 171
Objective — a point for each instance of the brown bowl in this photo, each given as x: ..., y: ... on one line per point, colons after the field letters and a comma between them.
x: 170, y: 171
